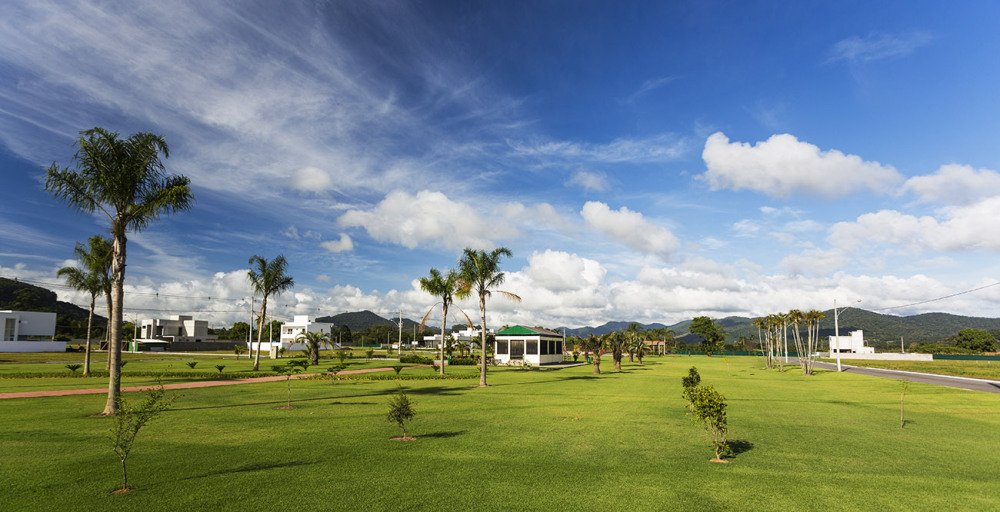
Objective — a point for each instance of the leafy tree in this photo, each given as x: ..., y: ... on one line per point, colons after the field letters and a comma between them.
x: 239, y: 350
x: 709, y: 407
x: 313, y: 341
x: 240, y: 331
x: 400, y: 411
x: 130, y: 419
x: 267, y: 278
x: 711, y: 334
x: 123, y: 180
x: 342, y: 355
x: 691, y: 381
x: 979, y: 340
x: 444, y: 286
x: 288, y: 370
x: 91, y: 277
x: 480, y: 274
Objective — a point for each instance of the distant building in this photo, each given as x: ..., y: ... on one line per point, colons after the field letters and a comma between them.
x: 28, y: 331
x: 853, y: 343
x: 468, y: 335
x: 536, y: 346
x: 180, y: 328
x: 290, y: 331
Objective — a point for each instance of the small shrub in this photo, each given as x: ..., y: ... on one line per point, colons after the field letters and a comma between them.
x: 398, y: 368
x: 369, y: 354
x: 130, y: 420
x: 191, y: 364
x: 415, y: 359
x: 576, y: 355
x: 336, y: 368
x: 122, y: 364
x: 300, y: 364
x: 400, y: 410
x: 74, y: 367
x: 342, y: 355
x: 220, y: 367
x: 709, y: 407
x: 463, y: 361
x: 691, y: 381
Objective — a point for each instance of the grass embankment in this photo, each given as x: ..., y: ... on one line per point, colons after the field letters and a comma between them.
x: 45, y: 371
x: 975, y: 369
x: 533, y: 440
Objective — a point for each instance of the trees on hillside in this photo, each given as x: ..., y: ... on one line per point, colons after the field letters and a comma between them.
x: 480, y: 275
x: 267, y: 278
x: 91, y: 277
x: 979, y: 340
x: 123, y: 180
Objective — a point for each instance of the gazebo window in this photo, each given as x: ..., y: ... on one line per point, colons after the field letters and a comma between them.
x: 545, y: 348
x: 516, y: 349
x: 559, y: 347
x: 533, y: 348
x: 502, y: 347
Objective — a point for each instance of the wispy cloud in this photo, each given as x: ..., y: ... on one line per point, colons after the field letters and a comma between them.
x: 856, y: 49
x: 589, y: 180
x: 649, y: 86
x: 659, y: 148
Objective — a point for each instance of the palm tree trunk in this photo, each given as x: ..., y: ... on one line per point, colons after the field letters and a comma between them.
x: 260, y: 330
x: 115, y: 330
x: 482, y: 346
x: 444, y: 323
x: 90, y: 320
x: 107, y: 332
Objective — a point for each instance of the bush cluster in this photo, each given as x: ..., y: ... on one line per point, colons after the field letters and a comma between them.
x: 415, y: 359
x: 463, y: 361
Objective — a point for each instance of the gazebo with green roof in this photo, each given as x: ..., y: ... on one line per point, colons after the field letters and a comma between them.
x: 536, y: 346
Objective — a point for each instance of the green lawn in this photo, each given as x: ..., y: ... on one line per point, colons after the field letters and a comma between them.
x: 539, y: 440
x: 976, y: 369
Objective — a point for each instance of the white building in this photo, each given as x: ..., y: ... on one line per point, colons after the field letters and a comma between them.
x: 853, y: 343
x: 180, y: 328
x: 28, y: 331
x: 288, y: 337
x: 518, y: 344
x: 467, y: 335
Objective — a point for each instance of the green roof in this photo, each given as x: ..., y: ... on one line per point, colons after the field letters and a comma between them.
x: 520, y: 330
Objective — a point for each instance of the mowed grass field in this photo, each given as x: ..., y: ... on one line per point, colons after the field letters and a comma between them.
x: 533, y: 440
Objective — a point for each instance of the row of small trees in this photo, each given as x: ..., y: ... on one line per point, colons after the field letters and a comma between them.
x: 772, y: 333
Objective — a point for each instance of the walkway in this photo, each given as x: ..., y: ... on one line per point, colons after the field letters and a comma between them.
x: 990, y: 386
x: 184, y: 385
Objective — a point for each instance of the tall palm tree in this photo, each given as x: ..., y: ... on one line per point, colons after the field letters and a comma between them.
x: 444, y: 286
x: 313, y: 341
x: 594, y: 344
x: 617, y: 342
x: 267, y: 278
x: 91, y: 278
x: 480, y: 274
x: 125, y: 181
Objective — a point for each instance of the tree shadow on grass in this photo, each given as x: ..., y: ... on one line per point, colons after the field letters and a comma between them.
x: 251, y: 404
x: 441, y: 435
x: 577, y: 377
x: 738, y: 446
x: 249, y: 468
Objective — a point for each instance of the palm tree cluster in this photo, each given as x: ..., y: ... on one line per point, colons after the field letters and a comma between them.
x: 631, y: 340
x: 772, y: 334
x: 93, y: 277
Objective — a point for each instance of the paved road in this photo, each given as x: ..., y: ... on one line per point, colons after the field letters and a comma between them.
x: 990, y: 386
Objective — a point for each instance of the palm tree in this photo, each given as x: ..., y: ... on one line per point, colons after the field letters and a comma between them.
x: 91, y: 279
x: 268, y: 278
x: 594, y: 344
x: 443, y: 286
x: 617, y: 342
x: 124, y: 180
x: 313, y: 341
x: 479, y: 273
x: 634, y: 333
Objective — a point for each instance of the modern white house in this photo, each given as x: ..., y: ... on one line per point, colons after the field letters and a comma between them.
x: 468, y: 335
x: 536, y: 346
x: 290, y: 331
x: 180, y: 328
x: 853, y: 343
x: 29, y: 331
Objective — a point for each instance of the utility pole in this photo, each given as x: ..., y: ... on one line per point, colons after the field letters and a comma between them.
x: 400, y: 346
x: 250, y: 336
x: 902, y: 348
x: 836, y: 332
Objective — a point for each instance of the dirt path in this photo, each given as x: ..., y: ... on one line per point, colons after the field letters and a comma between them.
x: 183, y: 385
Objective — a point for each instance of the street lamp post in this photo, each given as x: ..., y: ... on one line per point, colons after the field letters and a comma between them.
x: 836, y: 331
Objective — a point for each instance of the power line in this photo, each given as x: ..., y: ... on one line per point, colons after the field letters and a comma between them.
x: 940, y: 298
x: 148, y: 294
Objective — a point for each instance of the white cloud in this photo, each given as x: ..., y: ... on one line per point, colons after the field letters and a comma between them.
x: 746, y: 228
x: 660, y: 148
x: 875, y: 47
x: 815, y: 262
x: 783, y: 165
x: 312, y: 180
x: 954, y: 184
x: 966, y: 227
x: 344, y: 244
x: 559, y: 271
x: 426, y: 218
x: 589, y: 180
x: 630, y: 228
x: 649, y: 86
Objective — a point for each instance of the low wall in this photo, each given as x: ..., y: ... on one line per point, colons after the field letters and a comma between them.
x: 886, y: 356
x: 32, y: 346
x: 194, y: 346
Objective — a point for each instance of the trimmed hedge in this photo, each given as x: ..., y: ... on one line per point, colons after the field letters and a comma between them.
x: 104, y: 374
x: 415, y: 359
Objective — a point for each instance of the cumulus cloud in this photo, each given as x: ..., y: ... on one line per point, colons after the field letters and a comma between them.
x: 630, y: 228
x: 589, y: 180
x: 344, y: 244
x: 966, y: 227
x: 425, y: 218
x: 954, y: 184
x: 783, y: 165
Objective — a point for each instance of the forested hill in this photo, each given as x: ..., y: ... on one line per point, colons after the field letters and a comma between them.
x: 359, y: 321
x: 70, y: 318
x: 879, y: 328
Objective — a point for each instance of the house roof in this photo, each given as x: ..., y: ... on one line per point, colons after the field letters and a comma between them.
x: 520, y: 330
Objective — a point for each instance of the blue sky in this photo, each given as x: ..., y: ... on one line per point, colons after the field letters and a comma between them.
x: 645, y: 161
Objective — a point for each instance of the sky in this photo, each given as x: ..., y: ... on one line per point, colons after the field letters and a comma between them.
x: 642, y: 161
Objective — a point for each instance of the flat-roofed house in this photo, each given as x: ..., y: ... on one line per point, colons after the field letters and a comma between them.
x: 536, y: 346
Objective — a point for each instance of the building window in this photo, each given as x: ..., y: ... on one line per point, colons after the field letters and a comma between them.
x: 502, y: 348
x: 559, y: 347
x: 532, y: 348
x: 516, y: 349
x: 545, y: 348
